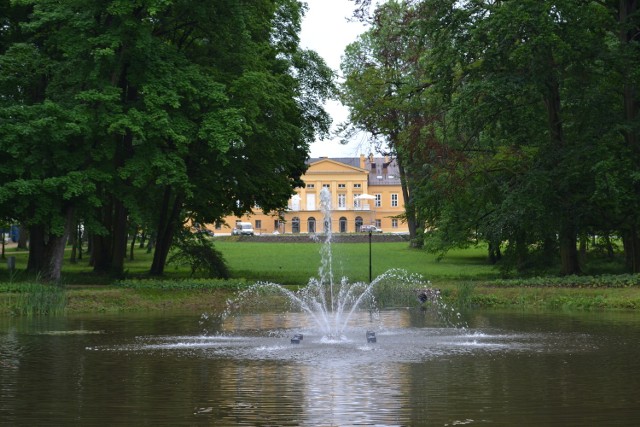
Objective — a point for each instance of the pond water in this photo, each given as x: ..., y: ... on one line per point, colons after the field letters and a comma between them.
x: 501, y: 368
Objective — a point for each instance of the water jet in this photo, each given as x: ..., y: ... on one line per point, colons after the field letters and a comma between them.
x: 330, y: 304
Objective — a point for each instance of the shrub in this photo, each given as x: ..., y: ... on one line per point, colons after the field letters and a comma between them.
x: 201, y: 257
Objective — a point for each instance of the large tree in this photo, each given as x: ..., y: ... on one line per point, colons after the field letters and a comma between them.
x: 165, y: 110
x: 385, y: 87
x: 509, y: 143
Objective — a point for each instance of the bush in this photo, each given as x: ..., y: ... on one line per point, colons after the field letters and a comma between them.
x: 201, y: 257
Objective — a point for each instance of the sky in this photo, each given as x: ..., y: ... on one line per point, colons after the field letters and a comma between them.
x: 327, y: 30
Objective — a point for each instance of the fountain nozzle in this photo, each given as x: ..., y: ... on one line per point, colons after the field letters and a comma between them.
x: 296, y: 339
x: 371, y: 336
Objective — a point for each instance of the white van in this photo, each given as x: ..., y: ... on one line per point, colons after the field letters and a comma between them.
x: 243, y: 228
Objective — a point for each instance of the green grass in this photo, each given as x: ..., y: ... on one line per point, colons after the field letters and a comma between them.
x: 295, y: 263
x: 465, y: 278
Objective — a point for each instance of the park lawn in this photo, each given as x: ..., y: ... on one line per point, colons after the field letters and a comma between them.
x: 464, y: 277
x: 295, y: 263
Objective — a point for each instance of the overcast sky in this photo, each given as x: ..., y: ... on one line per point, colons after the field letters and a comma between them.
x: 327, y: 30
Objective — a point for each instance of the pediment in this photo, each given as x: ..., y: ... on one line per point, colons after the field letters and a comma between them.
x: 329, y: 166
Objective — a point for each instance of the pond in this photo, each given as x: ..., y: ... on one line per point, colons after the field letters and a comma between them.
x: 492, y: 368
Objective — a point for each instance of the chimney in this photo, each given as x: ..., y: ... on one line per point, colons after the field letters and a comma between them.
x: 362, y: 161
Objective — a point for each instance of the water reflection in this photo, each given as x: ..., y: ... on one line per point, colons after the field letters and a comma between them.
x: 505, y: 369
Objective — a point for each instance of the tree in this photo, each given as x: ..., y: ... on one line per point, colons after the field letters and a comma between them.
x: 384, y: 89
x: 167, y: 110
x: 501, y: 119
x: 41, y: 171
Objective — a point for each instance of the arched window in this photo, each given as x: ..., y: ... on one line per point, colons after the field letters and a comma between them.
x: 295, y: 224
x: 358, y: 223
x: 311, y: 225
x: 343, y: 224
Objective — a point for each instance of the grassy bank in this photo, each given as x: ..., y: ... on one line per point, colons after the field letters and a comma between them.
x: 464, y: 277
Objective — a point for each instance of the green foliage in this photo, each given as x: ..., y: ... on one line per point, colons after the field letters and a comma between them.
x: 602, y: 281
x: 495, y: 109
x: 153, y: 112
x: 201, y: 257
x: 33, y: 299
x: 184, y: 284
x: 465, y: 294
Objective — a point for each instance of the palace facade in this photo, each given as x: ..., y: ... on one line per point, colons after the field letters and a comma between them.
x: 364, y: 191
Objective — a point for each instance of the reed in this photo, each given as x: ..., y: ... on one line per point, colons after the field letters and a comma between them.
x: 34, y: 299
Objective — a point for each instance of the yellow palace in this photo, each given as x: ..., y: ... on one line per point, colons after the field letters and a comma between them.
x: 364, y: 191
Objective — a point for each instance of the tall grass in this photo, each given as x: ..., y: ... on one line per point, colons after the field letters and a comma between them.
x: 34, y: 299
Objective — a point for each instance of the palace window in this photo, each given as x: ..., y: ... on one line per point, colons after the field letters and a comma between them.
x: 342, y: 201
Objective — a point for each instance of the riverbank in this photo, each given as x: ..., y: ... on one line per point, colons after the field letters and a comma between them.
x: 464, y: 277
x: 205, y: 299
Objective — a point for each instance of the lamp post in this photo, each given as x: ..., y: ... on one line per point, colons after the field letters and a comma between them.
x: 365, y: 196
x: 370, y: 255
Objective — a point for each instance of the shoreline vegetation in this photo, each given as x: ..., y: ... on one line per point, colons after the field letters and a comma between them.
x: 464, y: 277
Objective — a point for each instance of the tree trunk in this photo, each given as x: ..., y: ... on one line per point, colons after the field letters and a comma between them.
x: 133, y: 244
x: 169, y: 221
x: 46, y: 251
x: 23, y: 239
x: 101, y: 244
x: 152, y: 242
x: 143, y: 239
x: 627, y: 9
x: 631, y: 244
x: 570, y: 263
x: 54, y: 251
x: 79, y: 237
x: 521, y: 251
x: 73, y: 241
x: 120, y: 228
x: 36, y: 249
x: 410, y: 210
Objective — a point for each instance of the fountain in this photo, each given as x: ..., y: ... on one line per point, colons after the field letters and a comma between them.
x: 328, y: 303
x: 334, y: 360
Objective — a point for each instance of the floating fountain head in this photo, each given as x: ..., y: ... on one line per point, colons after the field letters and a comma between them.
x: 327, y: 303
x: 371, y: 337
x: 427, y: 294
